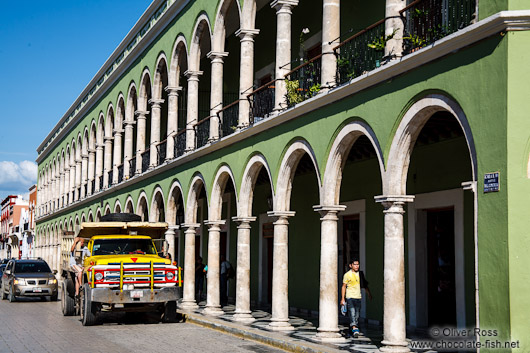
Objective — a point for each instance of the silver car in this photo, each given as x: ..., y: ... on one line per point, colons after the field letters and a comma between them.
x: 28, y: 278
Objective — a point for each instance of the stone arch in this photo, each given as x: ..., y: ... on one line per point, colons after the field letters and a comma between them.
x: 132, y: 102
x: 157, y: 213
x: 179, y: 61
x: 250, y: 176
x: 101, y: 129
x: 223, y: 176
x: 129, y: 205
x: 175, y: 204
x: 83, y: 217
x: 107, y: 209
x: 120, y: 112
x: 248, y: 14
x: 142, y: 208
x: 93, y: 134
x: 145, y: 90
x: 117, y: 206
x: 338, y: 155
x: 98, y: 214
x: 290, y: 161
x: 90, y: 216
x: 219, y: 33
x: 395, y: 179
x: 160, y: 80
x: 202, y: 24
x: 193, y: 197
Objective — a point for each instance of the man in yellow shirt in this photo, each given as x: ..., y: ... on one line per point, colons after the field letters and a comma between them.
x: 352, y: 283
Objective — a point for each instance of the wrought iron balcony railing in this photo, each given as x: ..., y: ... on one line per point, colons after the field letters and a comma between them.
x: 145, y: 159
x: 202, y: 132
x: 111, y: 174
x: 426, y: 21
x: 100, y: 182
x: 132, y: 166
x: 303, y: 82
x: 360, y: 53
x: 229, y: 118
x: 161, y: 150
x: 262, y: 101
x: 120, y: 173
x: 180, y: 143
x: 93, y: 186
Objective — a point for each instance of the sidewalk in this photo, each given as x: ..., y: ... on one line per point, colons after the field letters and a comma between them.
x: 302, y: 339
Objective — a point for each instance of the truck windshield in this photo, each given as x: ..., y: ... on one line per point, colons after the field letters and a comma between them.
x: 123, y: 247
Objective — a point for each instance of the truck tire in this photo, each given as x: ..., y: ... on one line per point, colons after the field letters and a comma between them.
x: 67, y: 302
x: 170, y: 311
x: 121, y: 217
x: 11, y: 296
x: 88, y: 309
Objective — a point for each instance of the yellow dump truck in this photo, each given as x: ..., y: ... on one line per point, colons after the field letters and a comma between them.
x: 124, y: 272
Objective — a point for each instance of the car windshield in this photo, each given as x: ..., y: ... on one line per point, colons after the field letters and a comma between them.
x: 123, y: 246
x: 31, y: 267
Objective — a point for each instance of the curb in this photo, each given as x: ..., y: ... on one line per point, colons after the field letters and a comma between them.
x: 284, y: 342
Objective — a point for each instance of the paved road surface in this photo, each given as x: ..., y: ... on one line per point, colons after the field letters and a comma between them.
x: 30, y: 325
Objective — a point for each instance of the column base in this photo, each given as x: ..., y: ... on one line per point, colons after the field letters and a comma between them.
x: 329, y: 335
x: 213, y: 310
x: 282, y: 325
x: 394, y: 347
x: 245, y: 317
x: 188, y: 305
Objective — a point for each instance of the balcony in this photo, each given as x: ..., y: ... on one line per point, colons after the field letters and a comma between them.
x: 111, y: 174
x: 262, y: 102
x: 132, y: 166
x: 303, y: 82
x: 229, y: 118
x: 202, y: 132
x: 145, y: 159
x: 161, y: 150
x: 100, y: 182
x: 120, y: 173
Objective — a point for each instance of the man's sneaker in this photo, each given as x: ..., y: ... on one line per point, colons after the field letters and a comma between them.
x: 355, y: 332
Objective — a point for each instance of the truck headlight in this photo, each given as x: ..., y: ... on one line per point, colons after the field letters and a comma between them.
x: 169, y: 276
x: 52, y: 281
x: 20, y: 281
x: 99, y: 276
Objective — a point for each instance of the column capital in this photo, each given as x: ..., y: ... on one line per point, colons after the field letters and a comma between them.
x: 244, y: 219
x: 215, y: 224
x: 217, y: 56
x: 91, y: 150
x: 281, y: 214
x: 190, y: 225
x: 118, y: 131
x: 156, y: 103
x: 100, y: 146
x: 173, y: 90
x: 140, y: 114
x: 84, y: 155
x: 192, y: 75
x: 284, y: 4
x: 394, y: 198
x: 129, y: 122
x: 247, y: 34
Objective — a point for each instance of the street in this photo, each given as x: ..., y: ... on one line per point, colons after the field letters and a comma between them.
x: 30, y: 325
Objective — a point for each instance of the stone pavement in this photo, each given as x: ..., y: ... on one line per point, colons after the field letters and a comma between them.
x: 302, y: 339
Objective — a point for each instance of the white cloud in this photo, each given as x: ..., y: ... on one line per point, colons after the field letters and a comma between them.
x: 17, y: 178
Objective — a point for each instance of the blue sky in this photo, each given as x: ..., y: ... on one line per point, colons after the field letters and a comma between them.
x: 49, y: 51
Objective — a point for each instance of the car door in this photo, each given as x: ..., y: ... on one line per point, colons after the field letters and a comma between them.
x: 8, y: 276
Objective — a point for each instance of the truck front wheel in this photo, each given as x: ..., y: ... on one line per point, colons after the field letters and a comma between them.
x: 67, y: 302
x: 170, y: 311
x: 88, y: 309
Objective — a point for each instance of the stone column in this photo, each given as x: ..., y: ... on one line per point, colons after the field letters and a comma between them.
x: 280, y: 272
x: 283, y: 48
x: 84, y: 173
x: 394, y: 28
x: 330, y: 32
x: 193, y: 107
x: 188, y: 298
x: 108, y: 160
x: 170, y: 238
x: 61, y: 189
x: 156, y: 111
x: 216, y: 97
x: 172, y: 119
x: 91, y: 169
x: 141, y: 117
x: 328, y: 326
x: 72, y: 182
x: 66, y: 185
x: 246, y: 73
x: 128, y: 153
x: 243, y: 312
x: 117, y: 160
x: 213, y: 300
x: 99, y: 163
x: 394, y: 317
x: 77, y: 178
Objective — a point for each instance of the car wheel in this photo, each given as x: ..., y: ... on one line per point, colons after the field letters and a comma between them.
x: 11, y: 297
x: 88, y: 309
x: 170, y: 311
x: 67, y: 302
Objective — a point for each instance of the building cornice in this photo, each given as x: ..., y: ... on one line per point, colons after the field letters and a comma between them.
x: 116, y: 65
x: 500, y: 22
